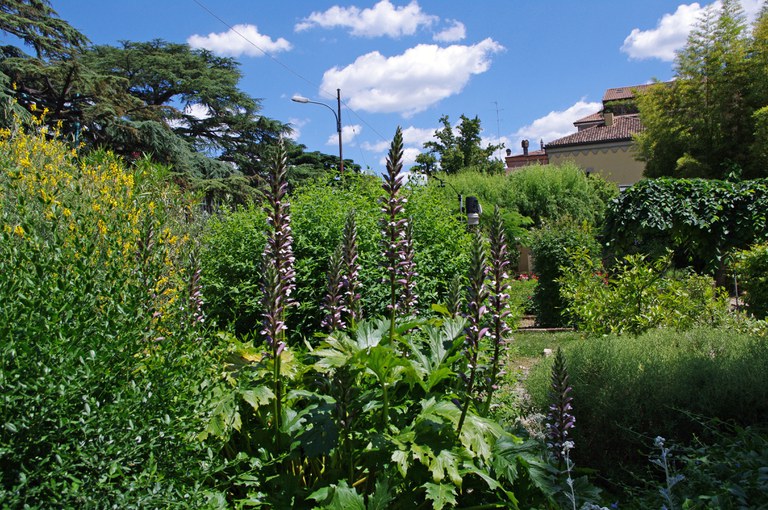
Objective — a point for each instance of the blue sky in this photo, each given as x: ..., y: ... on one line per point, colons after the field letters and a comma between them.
x: 526, y: 68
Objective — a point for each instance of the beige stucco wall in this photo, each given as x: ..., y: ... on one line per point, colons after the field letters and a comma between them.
x: 615, y: 162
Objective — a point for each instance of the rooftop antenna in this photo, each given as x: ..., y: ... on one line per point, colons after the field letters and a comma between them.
x: 498, y: 125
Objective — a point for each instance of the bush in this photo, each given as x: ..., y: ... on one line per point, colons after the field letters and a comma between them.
x: 628, y: 389
x: 551, y: 248
x: 700, y: 220
x: 547, y: 193
x: 752, y: 268
x: 231, y: 262
x: 521, y: 291
x: 318, y: 213
x: 102, y: 354
x: 637, y: 294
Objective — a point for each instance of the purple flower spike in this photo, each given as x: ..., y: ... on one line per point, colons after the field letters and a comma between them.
x: 498, y: 301
x: 560, y: 419
x: 396, y: 243
x: 351, y: 270
x: 475, y: 331
x: 333, y: 303
x: 279, y: 275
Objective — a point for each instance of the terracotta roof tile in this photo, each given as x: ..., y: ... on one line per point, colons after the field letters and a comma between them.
x: 621, y: 93
x: 622, y: 129
x: 595, y: 117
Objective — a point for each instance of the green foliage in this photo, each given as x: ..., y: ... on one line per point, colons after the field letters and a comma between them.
x: 38, y: 25
x: 551, y: 248
x: 366, y: 426
x: 699, y: 124
x: 752, y: 268
x: 521, y: 291
x: 629, y: 388
x: 231, y: 263
x: 319, y: 211
x: 700, y: 220
x: 103, y: 357
x: 725, y: 468
x: 457, y: 153
x: 535, y: 195
x: 636, y: 295
x: 552, y: 193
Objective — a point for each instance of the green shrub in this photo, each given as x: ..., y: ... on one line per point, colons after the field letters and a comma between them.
x: 102, y: 353
x: 547, y: 193
x: 637, y: 294
x: 521, y: 291
x: 318, y: 211
x: 627, y: 389
x: 551, y: 248
x: 700, y: 220
x: 752, y: 269
x: 231, y: 262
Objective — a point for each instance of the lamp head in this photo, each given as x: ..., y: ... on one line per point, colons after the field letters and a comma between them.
x: 299, y: 99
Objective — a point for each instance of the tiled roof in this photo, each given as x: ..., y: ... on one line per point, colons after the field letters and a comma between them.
x: 620, y: 93
x: 595, y: 117
x: 622, y: 129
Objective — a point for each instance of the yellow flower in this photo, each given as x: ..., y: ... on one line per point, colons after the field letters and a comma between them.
x: 19, y: 231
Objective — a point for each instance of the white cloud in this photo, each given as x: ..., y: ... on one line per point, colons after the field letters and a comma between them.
x: 411, y: 82
x: 417, y: 136
x: 296, y: 125
x: 239, y: 40
x: 409, y: 159
x: 671, y: 32
x: 552, y: 126
x: 348, y: 134
x: 383, y: 19
x: 456, y: 32
x: 381, y: 146
x: 670, y: 35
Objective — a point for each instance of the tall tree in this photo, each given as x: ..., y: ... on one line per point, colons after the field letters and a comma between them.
x: 702, y: 124
x: 38, y: 25
x: 197, y: 94
x: 458, y: 151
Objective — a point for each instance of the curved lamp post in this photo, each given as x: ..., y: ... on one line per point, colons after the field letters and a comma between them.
x: 336, y: 113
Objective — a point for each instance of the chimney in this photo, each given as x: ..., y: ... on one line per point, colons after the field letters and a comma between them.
x: 525, y: 147
x: 608, y: 118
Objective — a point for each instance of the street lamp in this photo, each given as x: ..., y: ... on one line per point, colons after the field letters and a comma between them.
x: 336, y: 113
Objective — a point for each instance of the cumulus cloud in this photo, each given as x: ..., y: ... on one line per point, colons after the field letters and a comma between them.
x: 296, y: 124
x: 409, y: 159
x: 670, y: 35
x: 239, y: 40
x: 383, y: 19
x: 554, y: 125
x: 413, y: 81
x: 671, y: 32
x: 456, y: 32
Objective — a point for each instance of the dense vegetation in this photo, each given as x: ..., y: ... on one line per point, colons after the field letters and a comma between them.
x: 711, y: 120
x: 317, y: 343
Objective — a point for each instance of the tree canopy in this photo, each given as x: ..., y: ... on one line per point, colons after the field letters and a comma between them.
x: 182, y: 107
x: 710, y: 121
x: 38, y: 25
x: 452, y: 152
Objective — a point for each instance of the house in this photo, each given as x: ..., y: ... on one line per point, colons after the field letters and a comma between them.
x: 602, y: 144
